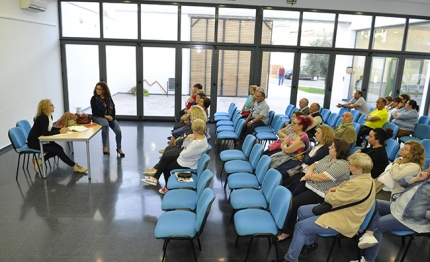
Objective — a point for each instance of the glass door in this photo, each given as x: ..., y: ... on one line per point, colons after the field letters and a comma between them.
x: 383, y: 72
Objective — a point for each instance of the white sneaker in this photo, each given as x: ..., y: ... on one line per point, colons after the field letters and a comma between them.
x: 79, y: 169
x: 150, y: 181
x: 361, y: 260
x: 366, y: 241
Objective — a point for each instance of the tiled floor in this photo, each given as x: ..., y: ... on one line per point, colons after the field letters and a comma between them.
x: 66, y: 217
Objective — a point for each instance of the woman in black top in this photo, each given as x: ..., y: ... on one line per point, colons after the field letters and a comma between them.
x: 43, y: 126
x: 103, y: 109
x: 377, y: 152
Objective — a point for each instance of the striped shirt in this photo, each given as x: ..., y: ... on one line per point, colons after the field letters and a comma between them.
x: 337, y: 171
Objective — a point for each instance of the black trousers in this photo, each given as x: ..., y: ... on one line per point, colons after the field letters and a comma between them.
x: 166, y: 165
x: 364, y: 131
x: 250, y: 130
x: 53, y: 149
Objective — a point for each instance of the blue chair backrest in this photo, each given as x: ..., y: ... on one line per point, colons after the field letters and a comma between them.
x: 276, y: 119
x: 271, y: 116
x: 355, y: 115
x: 391, y: 147
x: 356, y: 127
x: 422, y: 131
x: 236, y: 119
x: 248, y: 143
x: 368, y: 217
x: 332, y: 120
x: 288, y: 109
x: 270, y: 182
x: 239, y: 126
x: 371, y: 108
x: 280, y: 205
x: 279, y: 125
x: 202, y: 164
x: 262, y: 167
x: 204, y: 181
x: 361, y: 120
x: 203, y: 208
x: 255, y: 155
x: 339, y: 121
x: 17, y: 137
x: 231, y: 108
x: 25, y: 125
x: 343, y: 110
x: 325, y: 113
x: 292, y: 112
x: 426, y: 145
x: 394, y: 127
x: 424, y: 120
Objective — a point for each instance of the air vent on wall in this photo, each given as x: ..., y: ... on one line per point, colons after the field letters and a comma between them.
x: 34, y: 5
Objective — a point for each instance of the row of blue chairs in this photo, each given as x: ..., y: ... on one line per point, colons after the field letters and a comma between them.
x: 187, y: 202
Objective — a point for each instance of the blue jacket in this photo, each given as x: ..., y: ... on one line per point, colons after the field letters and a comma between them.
x: 417, y: 210
x: 407, y: 119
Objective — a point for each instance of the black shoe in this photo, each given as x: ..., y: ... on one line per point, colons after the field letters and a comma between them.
x: 120, y: 153
x: 308, y: 249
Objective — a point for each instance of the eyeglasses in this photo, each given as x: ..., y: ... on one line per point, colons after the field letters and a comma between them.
x: 99, y: 88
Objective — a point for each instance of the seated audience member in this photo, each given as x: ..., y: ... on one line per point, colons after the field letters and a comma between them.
x: 358, y: 103
x: 410, y: 162
x: 192, y: 99
x: 376, y: 119
x: 310, y: 187
x: 323, y: 138
x: 295, y: 145
x: 315, y: 113
x: 303, y: 106
x: 194, y: 146
x: 260, y: 115
x: 395, y: 105
x: 409, y: 212
x: 200, y: 95
x: 376, y: 151
x: 406, y: 118
x: 43, y: 126
x: 246, y: 109
x: 388, y: 100
x: 345, y: 221
x: 346, y: 130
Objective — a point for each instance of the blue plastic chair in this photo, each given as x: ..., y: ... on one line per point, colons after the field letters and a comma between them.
x: 411, y: 235
x: 243, y: 166
x: 229, y: 135
x: 361, y: 120
x: 19, y: 143
x: 229, y: 116
x: 271, y: 136
x: 229, y: 121
x: 262, y: 223
x: 25, y: 125
x: 421, y: 132
x: 251, y: 198
x: 363, y: 227
x: 236, y: 154
x: 228, y: 127
x: 325, y: 113
x: 355, y: 115
x: 394, y: 127
x: 230, y: 107
x: 392, y: 147
x: 332, y: 120
x: 343, y: 110
x: 186, y: 198
x: 289, y: 109
x: 339, y: 121
x: 173, y: 182
x: 426, y: 145
x: 185, y: 225
x: 247, y: 180
x: 270, y: 125
x: 424, y: 120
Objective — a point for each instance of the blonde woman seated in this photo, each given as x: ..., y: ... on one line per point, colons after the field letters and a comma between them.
x: 324, y: 138
x: 310, y: 187
x: 410, y: 162
x: 345, y: 221
x: 177, y: 147
x: 194, y: 146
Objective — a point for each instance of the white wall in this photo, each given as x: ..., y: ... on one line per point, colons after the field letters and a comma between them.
x: 30, y: 63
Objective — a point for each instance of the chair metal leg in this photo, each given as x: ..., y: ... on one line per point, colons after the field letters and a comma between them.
x: 194, y: 251
x: 249, y: 248
x: 331, y: 249
x: 165, y: 249
x: 237, y: 241
x: 198, y: 242
x: 276, y: 247
x: 412, y: 237
x: 17, y: 167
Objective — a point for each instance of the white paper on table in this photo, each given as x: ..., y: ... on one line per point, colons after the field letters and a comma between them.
x: 78, y: 128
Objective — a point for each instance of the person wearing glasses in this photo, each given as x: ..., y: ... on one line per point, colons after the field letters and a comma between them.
x: 103, y: 109
x: 43, y: 126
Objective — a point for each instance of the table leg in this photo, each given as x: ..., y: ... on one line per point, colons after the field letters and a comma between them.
x: 88, y: 159
x: 42, y: 156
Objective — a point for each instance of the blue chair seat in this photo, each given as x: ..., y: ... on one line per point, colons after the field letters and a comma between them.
x: 409, y: 138
x: 251, y: 221
x: 224, y: 123
x: 260, y: 129
x: 221, y: 114
x: 173, y: 183
x: 242, y: 180
x: 188, y: 200
x: 247, y: 198
x: 224, y: 128
x: 168, y: 224
x: 233, y: 154
x: 27, y: 150
x: 222, y: 118
x: 266, y: 136
x: 238, y: 166
x: 228, y: 135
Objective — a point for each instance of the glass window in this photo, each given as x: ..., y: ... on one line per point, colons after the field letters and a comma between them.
x: 353, y: 31
x: 383, y: 73
x: 82, y: 75
x: 156, y: 78
x: 388, y: 33
x: 282, y: 27
x: 80, y: 19
x: 121, y: 78
x: 418, y: 36
x: 236, y: 25
x: 348, y: 77
x: 415, y: 80
x: 317, y: 29
x: 120, y: 21
x: 159, y: 22
x: 197, y: 23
